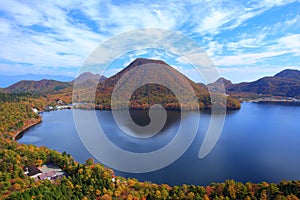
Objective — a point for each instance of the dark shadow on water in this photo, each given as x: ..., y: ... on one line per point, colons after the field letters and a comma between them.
x: 142, y: 118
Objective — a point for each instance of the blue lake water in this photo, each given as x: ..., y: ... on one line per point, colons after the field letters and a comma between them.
x: 260, y: 142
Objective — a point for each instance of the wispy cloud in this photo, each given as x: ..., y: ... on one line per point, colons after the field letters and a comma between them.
x: 246, y: 59
x: 290, y: 43
x: 268, y: 49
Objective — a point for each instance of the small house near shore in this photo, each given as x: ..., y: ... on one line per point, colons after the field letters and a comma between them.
x: 32, y: 171
x: 48, y: 171
x: 35, y: 110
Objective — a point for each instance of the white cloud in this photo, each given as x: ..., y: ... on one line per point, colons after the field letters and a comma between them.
x: 246, y: 58
x: 5, y: 27
x: 214, y: 48
x: 290, y: 43
x: 214, y: 20
x: 22, y: 13
x: 129, y: 16
x: 248, y: 43
x: 216, y: 17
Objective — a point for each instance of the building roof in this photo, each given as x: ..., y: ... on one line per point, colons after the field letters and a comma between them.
x: 46, y: 175
x: 33, y: 170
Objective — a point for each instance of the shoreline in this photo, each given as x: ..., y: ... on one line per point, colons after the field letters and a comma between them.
x: 278, y: 102
x: 31, y: 122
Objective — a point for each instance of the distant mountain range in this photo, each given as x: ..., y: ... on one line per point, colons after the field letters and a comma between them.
x: 285, y: 83
x: 142, y: 98
x: 46, y: 86
x: 6, y: 81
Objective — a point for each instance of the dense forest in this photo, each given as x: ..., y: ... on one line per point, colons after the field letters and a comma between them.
x: 16, y: 112
x: 93, y: 180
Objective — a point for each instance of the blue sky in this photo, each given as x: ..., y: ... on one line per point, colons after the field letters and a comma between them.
x: 244, y: 39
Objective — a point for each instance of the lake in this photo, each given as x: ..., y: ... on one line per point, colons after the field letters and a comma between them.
x: 260, y: 142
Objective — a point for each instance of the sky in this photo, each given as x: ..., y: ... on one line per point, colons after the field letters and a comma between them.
x: 245, y: 40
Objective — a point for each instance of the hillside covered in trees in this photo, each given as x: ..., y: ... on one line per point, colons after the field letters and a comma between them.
x: 283, y: 84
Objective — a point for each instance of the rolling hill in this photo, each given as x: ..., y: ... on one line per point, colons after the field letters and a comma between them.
x: 42, y: 87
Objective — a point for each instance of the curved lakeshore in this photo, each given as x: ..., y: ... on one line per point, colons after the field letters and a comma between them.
x: 17, y: 134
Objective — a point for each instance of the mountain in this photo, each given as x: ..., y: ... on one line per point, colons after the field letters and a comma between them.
x: 168, y: 72
x: 38, y: 87
x: 88, y: 79
x: 217, y: 86
x: 289, y: 74
x: 285, y: 83
x: 152, y: 93
x: 6, y: 81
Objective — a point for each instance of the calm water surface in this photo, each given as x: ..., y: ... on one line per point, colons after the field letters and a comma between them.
x: 260, y: 142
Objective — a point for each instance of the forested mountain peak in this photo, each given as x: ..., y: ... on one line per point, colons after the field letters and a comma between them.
x: 289, y: 73
x: 154, y: 93
x: 143, y: 63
